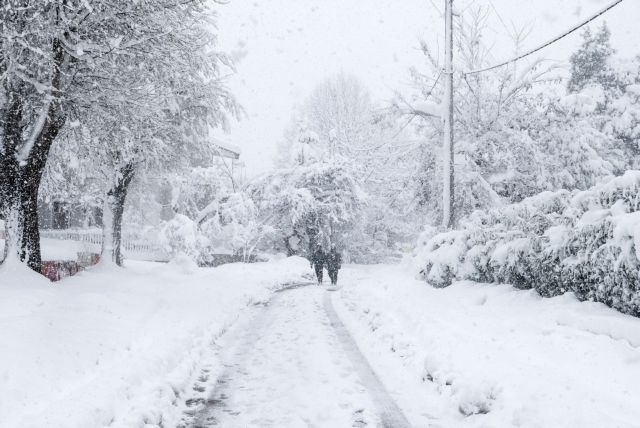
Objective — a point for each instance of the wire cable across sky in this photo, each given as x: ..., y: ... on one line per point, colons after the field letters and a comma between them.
x: 550, y: 42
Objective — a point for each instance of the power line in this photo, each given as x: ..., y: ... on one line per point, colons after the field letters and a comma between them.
x: 555, y: 39
x: 499, y: 16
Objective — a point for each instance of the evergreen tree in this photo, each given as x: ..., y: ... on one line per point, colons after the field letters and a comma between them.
x: 604, y: 93
x: 590, y: 64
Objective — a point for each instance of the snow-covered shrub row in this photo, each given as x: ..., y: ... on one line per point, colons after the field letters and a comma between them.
x: 586, y: 242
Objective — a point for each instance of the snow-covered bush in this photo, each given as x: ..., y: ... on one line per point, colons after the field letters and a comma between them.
x: 233, y: 226
x: 228, y: 229
x: 193, y: 190
x: 180, y: 236
x: 586, y: 242
x: 318, y: 202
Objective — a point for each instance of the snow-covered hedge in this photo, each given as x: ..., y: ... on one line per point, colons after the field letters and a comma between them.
x: 586, y: 242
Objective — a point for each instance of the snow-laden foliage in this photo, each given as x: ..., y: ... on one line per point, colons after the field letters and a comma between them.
x: 230, y: 226
x: 169, y: 97
x: 120, y: 85
x: 586, y: 242
x: 590, y: 63
x: 517, y: 132
x: 317, y: 203
x: 340, y: 119
x: 604, y: 93
x: 192, y: 191
x: 286, y: 210
x: 233, y: 226
x: 180, y: 238
x: 527, y: 145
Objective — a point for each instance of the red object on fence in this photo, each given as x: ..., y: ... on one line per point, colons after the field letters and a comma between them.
x: 55, y: 270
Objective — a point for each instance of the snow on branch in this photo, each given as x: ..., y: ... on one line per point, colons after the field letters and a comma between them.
x: 26, y: 148
x: 427, y: 109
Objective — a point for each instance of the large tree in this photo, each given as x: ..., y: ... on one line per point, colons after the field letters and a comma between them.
x: 339, y: 119
x: 102, y: 63
x: 316, y: 203
x: 36, y: 66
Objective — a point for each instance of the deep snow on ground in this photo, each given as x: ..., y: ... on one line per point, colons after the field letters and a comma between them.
x: 117, y: 347
x: 125, y: 348
x: 491, y: 355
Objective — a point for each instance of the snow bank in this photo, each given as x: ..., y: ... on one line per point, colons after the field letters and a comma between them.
x: 583, y: 241
x: 493, y: 356
x: 117, y: 347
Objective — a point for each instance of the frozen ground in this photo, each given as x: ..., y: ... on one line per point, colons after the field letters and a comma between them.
x: 293, y: 365
x: 165, y: 345
x: 492, y: 356
x: 117, y: 348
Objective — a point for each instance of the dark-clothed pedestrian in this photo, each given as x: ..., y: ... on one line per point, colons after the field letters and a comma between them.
x: 318, y: 259
x: 334, y: 263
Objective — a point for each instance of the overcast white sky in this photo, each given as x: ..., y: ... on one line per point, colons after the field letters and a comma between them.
x: 290, y: 45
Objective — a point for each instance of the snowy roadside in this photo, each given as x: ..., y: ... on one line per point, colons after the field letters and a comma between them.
x: 493, y: 356
x: 118, y: 347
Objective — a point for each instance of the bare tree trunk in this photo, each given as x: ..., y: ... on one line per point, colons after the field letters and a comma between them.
x: 10, y: 175
x: 107, y: 252
x: 31, y: 176
x: 448, y: 195
x: 120, y: 198
x: 13, y: 234
x: 22, y: 166
x: 30, y: 242
x: 113, y: 214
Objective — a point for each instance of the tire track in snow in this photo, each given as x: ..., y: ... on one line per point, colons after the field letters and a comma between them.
x: 391, y: 415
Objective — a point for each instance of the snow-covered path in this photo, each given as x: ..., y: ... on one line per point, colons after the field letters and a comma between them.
x: 293, y: 364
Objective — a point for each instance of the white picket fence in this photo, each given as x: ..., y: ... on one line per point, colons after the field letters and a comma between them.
x: 132, y: 248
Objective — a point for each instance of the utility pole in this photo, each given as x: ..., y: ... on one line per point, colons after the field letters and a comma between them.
x: 447, y: 144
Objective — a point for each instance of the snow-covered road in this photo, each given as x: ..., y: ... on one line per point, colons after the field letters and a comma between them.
x: 293, y: 364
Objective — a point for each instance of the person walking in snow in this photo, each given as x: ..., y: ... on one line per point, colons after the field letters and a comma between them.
x: 318, y: 259
x: 334, y: 263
